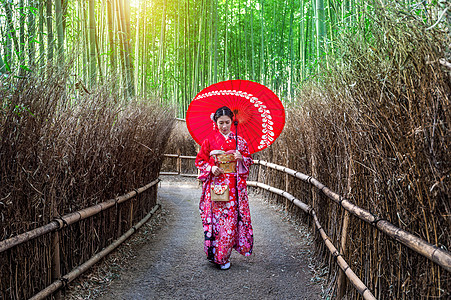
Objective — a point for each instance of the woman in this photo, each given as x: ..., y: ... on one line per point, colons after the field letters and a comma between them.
x: 226, y: 224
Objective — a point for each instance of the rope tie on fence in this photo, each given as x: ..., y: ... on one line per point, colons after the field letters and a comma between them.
x: 376, y: 219
x: 64, y: 281
x: 64, y: 222
x: 340, y: 199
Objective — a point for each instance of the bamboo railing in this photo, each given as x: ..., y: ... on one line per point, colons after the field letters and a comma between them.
x: 432, y: 252
x: 179, y: 165
x: 418, y: 245
x: 353, y: 278
x: 93, y: 260
x: 70, y: 219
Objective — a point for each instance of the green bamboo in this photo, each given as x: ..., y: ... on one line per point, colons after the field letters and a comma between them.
x: 31, y: 27
x: 60, y: 31
x: 41, y: 31
x: 92, y: 44
x: 50, y: 39
x: 112, y: 45
x: 320, y: 29
x: 129, y: 61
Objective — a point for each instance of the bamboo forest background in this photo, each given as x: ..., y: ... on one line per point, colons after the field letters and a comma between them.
x: 173, y: 49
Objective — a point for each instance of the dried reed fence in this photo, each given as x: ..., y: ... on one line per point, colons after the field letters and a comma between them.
x: 62, y: 152
x: 376, y: 130
x: 183, y: 150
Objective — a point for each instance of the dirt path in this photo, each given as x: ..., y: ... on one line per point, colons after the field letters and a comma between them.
x: 173, y: 265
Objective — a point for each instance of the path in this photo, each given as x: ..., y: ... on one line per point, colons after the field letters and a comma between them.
x: 173, y: 265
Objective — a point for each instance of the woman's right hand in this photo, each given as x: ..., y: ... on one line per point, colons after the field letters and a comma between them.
x: 216, y: 171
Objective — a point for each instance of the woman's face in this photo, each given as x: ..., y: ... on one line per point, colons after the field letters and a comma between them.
x: 224, y: 123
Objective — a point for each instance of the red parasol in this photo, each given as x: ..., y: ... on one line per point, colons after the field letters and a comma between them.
x: 259, y: 112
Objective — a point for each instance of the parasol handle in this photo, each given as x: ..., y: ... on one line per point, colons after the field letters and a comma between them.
x: 236, y: 132
x: 236, y: 181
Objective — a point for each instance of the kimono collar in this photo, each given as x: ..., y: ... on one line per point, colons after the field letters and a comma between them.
x: 227, y: 136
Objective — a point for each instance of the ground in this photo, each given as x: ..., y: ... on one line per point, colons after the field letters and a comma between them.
x: 165, y: 260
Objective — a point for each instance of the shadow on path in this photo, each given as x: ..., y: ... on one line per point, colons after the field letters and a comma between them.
x: 174, y: 266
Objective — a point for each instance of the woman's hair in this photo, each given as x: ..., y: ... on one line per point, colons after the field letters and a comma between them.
x: 223, y: 111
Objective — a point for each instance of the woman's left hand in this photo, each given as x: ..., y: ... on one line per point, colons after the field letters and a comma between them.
x: 238, y: 155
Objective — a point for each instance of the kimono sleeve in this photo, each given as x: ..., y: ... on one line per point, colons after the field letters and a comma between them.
x: 203, y: 161
x: 243, y: 166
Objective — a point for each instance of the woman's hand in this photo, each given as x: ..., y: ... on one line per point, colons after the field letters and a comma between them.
x: 216, y: 171
x: 238, y: 155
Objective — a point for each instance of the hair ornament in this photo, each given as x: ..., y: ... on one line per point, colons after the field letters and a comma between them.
x: 212, y: 117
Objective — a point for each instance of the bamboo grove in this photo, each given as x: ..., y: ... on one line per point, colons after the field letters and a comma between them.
x: 175, y: 48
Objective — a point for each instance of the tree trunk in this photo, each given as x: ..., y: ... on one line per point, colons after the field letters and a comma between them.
x: 302, y: 42
x: 215, y: 59
x: 161, y: 49
x: 111, y: 36
x: 128, y: 54
x: 12, y: 32
x: 41, y: 32
x: 92, y: 44
x: 138, y: 64
x: 252, y: 45
x: 320, y: 28
x: 21, y: 24
x: 50, y: 38
x: 120, y: 31
x: 31, y: 26
x: 226, y: 73
x: 60, y: 31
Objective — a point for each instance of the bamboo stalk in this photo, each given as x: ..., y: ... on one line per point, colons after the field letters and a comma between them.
x: 353, y: 278
x: 93, y: 260
x: 169, y: 173
x: 71, y: 218
x: 341, y: 289
x: 420, y: 246
x: 180, y: 156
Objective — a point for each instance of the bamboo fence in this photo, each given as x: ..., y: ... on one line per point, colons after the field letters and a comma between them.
x: 63, y: 281
x: 72, y: 218
x: 353, y: 278
x: 179, y: 164
x: 431, y: 252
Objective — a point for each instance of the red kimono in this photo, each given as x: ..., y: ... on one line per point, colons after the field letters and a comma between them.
x: 223, y: 229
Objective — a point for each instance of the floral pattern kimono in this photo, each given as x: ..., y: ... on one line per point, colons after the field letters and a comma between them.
x: 225, y: 225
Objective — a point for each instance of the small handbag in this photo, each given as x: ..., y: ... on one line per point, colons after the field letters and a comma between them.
x: 219, y: 192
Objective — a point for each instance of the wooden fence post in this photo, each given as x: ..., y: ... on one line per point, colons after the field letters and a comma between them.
x: 131, y: 212
x: 56, y: 258
x: 179, y: 162
x: 287, y: 179
x: 119, y: 220
x: 341, y: 284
